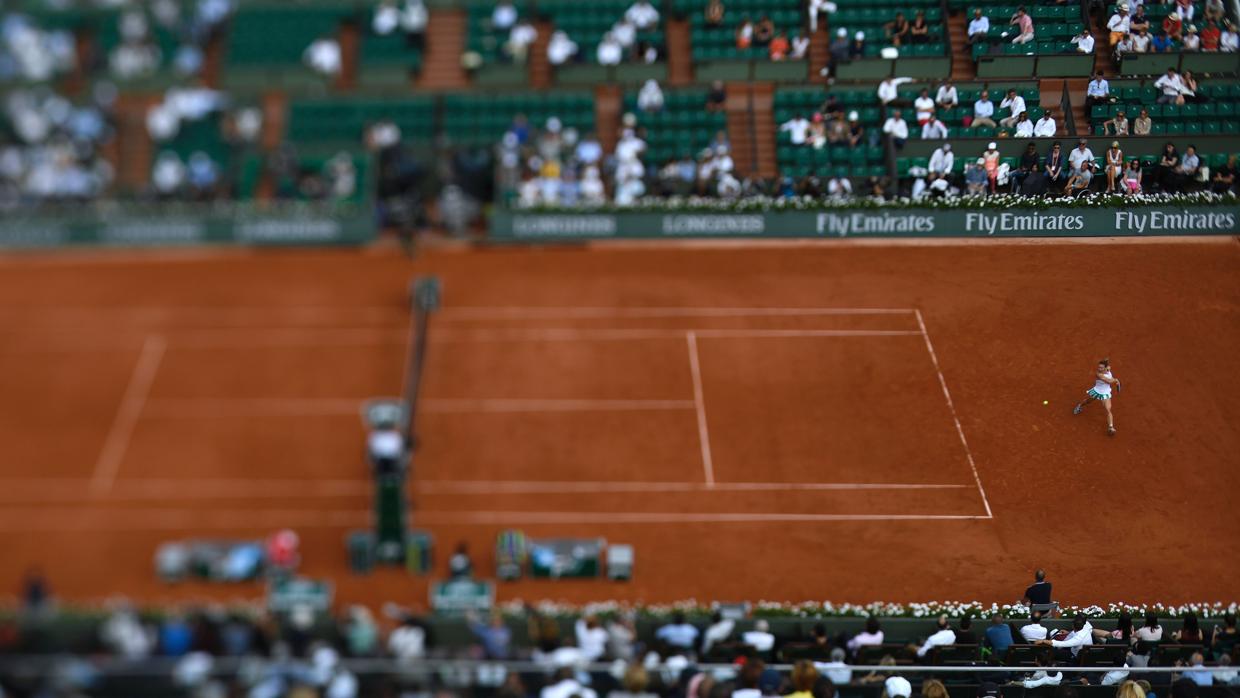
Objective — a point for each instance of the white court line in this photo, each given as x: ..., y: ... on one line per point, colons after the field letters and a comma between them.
x: 329, y: 407
x: 590, y: 517
x: 87, y: 519
x: 244, y: 337
x: 552, y: 487
x: 117, y: 441
x: 699, y: 404
x: 951, y: 406
x: 532, y: 312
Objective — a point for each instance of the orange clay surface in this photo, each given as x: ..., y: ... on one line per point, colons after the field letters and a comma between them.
x: 760, y: 422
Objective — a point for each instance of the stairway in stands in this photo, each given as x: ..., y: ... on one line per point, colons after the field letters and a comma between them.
x: 819, y: 51
x: 441, y: 59
x: 740, y: 127
x: 540, y: 72
x: 963, y: 67
x: 764, y: 128
x: 679, y: 53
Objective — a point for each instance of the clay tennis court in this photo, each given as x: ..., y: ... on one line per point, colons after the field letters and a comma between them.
x: 793, y: 422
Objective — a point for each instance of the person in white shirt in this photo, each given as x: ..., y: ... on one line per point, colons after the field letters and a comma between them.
x: 1082, y: 632
x: 839, y: 187
x: 1141, y: 41
x: 942, y: 160
x: 1151, y: 631
x: 933, y: 130
x: 897, y: 687
x: 816, y: 8
x: 888, y: 89
x: 872, y: 635
x: 1024, y: 127
x: 504, y: 16
x: 1041, y: 677
x: 800, y: 46
x: 979, y: 26
x: 760, y: 638
x: 797, y: 129
x: 1015, y: 104
x: 609, y: 50
x: 837, y: 669
x: 1034, y: 631
x: 407, y: 643
x: 895, y: 127
x: 946, y: 97
x: 414, y: 18
x: 520, y: 39
x: 386, y: 18
x: 591, y: 638
x: 719, y: 630
x: 566, y: 686
x: 942, y: 637
x: 650, y: 98
x: 1084, y: 41
x: 1098, y: 91
x: 1185, y: 11
x: 1171, y: 87
x: 324, y: 56
x: 1229, y: 40
x: 642, y: 15
x: 983, y: 111
x: 625, y: 32
x: 924, y: 107
x: 1080, y: 154
x: 1192, y: 41
x: 1046, y: 127
x: 561, y: 48
x: 1118, y: 24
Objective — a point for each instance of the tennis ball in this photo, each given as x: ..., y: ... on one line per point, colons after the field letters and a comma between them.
x: 1045, y: 402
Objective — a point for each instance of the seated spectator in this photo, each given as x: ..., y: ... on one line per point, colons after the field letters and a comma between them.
x: 1195, y: 669
x: 897, y: 687
x: 933, y: 688
x: 1024, y: 127
x: 642, y: 15
x: 1084, y: 41
x: 946, y: 97
x: 979, y: 27
x: 1034, y: 183
x: 1056, y: 174
x: 943, y: 636
x: 495, y: 636
x: 818, y: 131
x: 934, y: 129
x: 924, y: 107
x: 837, y: 670
x: 1046, y: 127
x: 634, y: 684
x: 1082, y: 632
x: 1225, y: 675
x: 965, y: 635
x: 1185, y: 9
x: 323, y: 56
x: 1211, y: 35
x: 203, y: 175
x: 797, y: 129
x: 800, y: 46
x: 1162, y: 43
x: 1142, y: 125
x: 1224, y: 637
x: 817, y: 8
x: 717, y: 97
x: 942, y: 160
x: 763, y: 31
x: 1079, y: 155
x: 1015, y: 104
x: 1173, y: 26
x: 1024, y: 26
x: 1141, y: 41
x: 837, y: 131
x: 897, y: 30
x: 888, y: 90
x: 919, y: 30
x: 872, y: 635
x: 1078, y: 183
x: 1028, y: 163
x: 714, y: 13
x: 1191, y: 41
x: 413, y: 20
x: 839, y: 47
x: 983, y: 111
x: 857, y: 48
x: 1229, y: 40
x: 565, y: 685
x: 1116, y: 125
x: 1132, y: 177
x: 650, y: 97
x: 1125, y: 46
x: 1118, y: 24
x: 1190, y: 632
x: 1139, y: 21
x: 561, y: 49
x: 1192, y: 91
x: 678, y: 634
x: 610, y: 51
x: 1042, y: 677
x: 778, y: 48
x: 387, y: 18
x: 897, y: 129
x: 504, y: 16
x: 520, y: 39
x: 975, y: 178
x: 744, y: 34
x: 1168, y: 164
x: 760, y: 638
x: 720, y: 628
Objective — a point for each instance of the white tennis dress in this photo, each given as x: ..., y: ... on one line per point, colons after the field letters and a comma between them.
x: 1101, y: 389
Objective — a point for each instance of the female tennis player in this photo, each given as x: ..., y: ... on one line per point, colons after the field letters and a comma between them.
x: 1103, y: 380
